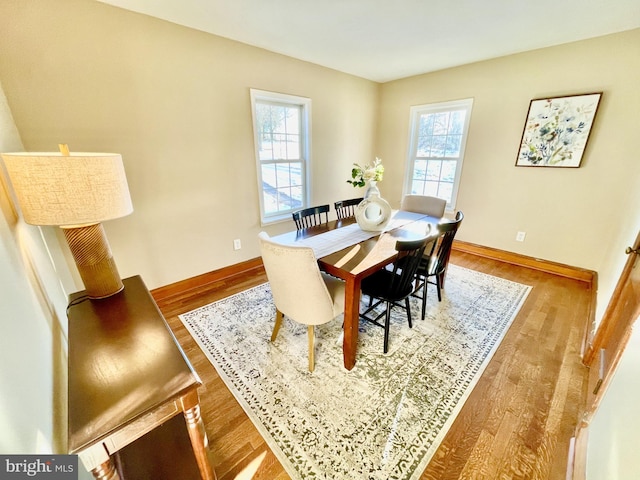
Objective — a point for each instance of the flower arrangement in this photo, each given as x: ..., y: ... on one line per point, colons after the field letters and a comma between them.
x: 361, y: 175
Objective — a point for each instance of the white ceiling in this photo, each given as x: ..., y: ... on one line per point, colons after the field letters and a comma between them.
x: 384, y: 40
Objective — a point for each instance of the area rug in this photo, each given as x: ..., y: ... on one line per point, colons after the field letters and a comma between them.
x: 385, y: 418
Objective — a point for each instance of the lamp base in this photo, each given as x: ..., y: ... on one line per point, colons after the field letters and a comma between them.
x: 97, y: 268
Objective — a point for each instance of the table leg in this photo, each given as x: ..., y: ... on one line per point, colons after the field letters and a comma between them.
x: 351, y: 320
x: 106, y: 471
x: 197, y: 434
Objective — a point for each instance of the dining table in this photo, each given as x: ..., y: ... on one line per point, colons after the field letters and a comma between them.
x: 346, y: 251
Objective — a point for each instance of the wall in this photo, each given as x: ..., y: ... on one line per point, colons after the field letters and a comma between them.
x: 175, y: 103
x: 613, y: 433
x: 582, y: 217
x: 32, y: 335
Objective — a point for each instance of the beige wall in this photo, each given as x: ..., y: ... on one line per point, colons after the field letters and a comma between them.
x: 175, y: 103
x: 581, y: 217
x: 613, y: 433
x: 33, y: 348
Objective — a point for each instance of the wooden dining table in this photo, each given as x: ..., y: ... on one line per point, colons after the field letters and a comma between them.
x: 358, y: 260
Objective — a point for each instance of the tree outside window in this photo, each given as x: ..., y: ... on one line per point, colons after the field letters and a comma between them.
x: 438, y: 137
x: 281, y: 140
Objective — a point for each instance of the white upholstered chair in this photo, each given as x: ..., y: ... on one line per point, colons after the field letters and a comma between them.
x: 300, y: 290
x: 432, y: 206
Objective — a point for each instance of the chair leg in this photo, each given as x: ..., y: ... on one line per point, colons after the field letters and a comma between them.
x: 276, y: 327
x: 387, y: 324
x: 408, y: 307
x: 438, y: 287
x: 311, y: 334
x: 424, y: 297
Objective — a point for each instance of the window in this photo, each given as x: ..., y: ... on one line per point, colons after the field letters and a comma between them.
x: 281, y: 136
x: 436, y: 149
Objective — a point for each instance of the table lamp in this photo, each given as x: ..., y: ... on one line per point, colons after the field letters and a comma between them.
x: 75, y: 191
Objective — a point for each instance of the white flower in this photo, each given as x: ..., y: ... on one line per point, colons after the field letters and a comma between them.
x: 360, y: 176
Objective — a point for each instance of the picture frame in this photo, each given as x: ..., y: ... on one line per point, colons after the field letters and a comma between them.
x: 556, y: 130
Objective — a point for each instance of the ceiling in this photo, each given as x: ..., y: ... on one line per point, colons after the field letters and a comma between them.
x: 383, y: 40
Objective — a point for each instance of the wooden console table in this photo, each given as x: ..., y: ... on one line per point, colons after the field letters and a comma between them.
x: 127, y: 376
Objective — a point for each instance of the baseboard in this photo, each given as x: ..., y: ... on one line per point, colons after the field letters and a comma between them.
x: 547, y: 266
x: 577, y: 462
x: 575, y: 273
x: 571, y: 458
x: 199, y: 282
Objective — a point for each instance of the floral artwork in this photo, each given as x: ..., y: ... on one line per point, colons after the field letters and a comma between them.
x: 556, y: 131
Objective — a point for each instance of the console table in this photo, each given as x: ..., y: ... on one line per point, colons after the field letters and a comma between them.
x: 127, y: 376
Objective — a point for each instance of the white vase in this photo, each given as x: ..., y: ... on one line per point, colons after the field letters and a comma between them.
x: 372, y: 187
x: 373, y: 213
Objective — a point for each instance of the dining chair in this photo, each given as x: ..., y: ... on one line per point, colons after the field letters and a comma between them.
x: 394, y: 286
x: 309, y: 217
x: 300, y: 290
x: 432, y: 206
x: 433, y: 268
x: 346, y: 208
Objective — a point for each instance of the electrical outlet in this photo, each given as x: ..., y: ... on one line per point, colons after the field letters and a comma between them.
x: 237, y: 245
x: 520, y: 236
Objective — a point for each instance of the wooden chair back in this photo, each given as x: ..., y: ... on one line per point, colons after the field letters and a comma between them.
x: 309, y: 217
x: 347, y: 208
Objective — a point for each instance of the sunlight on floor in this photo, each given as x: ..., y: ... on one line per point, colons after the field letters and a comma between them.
x: 248, y: 472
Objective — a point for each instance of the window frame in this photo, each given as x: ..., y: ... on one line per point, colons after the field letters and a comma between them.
x: 304, y: 103
x: 415, y: 113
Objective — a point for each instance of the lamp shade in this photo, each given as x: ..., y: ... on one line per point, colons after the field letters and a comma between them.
x: 69, y: 190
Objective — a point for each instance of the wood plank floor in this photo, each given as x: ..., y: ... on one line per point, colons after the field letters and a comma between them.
x: 516, y: 424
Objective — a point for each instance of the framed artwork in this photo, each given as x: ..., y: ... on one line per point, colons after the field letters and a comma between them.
x: 556, y: 130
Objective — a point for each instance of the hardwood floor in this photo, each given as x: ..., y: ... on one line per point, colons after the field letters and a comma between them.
x: 516, y: 424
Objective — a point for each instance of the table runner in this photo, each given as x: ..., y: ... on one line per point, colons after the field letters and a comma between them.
x: 332, y: 241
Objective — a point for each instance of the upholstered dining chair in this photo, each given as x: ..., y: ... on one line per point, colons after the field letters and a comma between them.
x: 300, y: 290
x: 433, y: 268
x: 394, y: 286
x: 309, y: 217
x: 346, y: 208
x: 426, y: 204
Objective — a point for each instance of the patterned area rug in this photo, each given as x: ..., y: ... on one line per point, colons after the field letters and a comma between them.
x: 385, y: 418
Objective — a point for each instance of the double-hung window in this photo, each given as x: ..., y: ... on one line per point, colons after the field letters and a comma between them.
x: 436, y: 149
x: 281, y: 135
